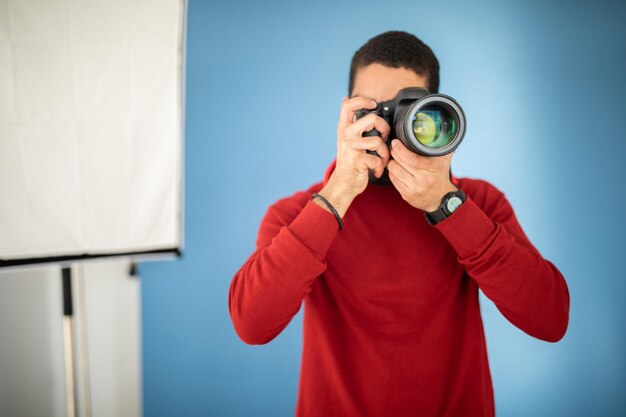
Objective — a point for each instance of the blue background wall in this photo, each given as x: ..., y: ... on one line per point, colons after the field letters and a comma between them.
x: 543, y: 88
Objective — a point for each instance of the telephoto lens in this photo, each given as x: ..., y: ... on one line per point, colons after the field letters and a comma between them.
x: 432, y: 126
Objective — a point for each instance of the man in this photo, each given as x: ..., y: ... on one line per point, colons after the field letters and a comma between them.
x: 392, y: 323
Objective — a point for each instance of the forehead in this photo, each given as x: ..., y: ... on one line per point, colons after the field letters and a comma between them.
x: 382, y: 83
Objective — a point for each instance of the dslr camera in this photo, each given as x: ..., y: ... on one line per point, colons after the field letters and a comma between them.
x: 428, y: 124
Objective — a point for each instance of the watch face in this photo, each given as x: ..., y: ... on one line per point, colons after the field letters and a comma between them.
x: 453, y: 203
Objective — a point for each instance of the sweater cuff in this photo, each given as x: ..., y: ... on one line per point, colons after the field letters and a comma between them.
x: 467, y: 228
x: 315, y: 227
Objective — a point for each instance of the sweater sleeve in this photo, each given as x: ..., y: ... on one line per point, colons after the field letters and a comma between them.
x: 529, y: 290
x: 269, y: 288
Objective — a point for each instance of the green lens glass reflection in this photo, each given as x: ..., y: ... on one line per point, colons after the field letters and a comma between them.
x: 433, y: 126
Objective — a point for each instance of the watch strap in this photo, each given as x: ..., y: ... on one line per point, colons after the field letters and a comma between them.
x: 435, y: 217
x: 442, y: 213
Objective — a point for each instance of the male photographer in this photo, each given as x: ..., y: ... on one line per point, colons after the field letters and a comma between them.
x: 392, y: 323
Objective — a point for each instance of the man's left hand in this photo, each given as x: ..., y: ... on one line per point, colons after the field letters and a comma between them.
x: 422, y: 181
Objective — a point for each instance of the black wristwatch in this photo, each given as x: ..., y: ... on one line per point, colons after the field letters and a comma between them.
x: 449, y: 203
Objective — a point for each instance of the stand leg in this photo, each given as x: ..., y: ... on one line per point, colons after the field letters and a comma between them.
x: 80, y: 322
x: 68, y: 343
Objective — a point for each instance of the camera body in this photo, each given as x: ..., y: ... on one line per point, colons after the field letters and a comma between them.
x: 428, y: 124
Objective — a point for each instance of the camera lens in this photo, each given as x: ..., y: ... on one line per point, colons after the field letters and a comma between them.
x: 431, y: 126
x: 434, y: 127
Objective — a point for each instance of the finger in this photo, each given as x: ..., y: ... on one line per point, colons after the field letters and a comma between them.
x: 400, y: 172
x: 430, y: 163
x: 410, y: 160
x: 401, y: 153
x: 371, y: 143
x: 400, y: 186
x: 367, y: 123
x: 349, y: 108
x: 367, y: 162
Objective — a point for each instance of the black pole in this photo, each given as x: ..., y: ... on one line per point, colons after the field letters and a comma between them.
x: 70, y: 354
x: 68, y: 309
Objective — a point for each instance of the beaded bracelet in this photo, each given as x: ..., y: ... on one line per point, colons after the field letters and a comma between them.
x: 330, y: 207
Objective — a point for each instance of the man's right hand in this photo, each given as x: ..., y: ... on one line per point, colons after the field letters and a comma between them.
x: 350, y: 176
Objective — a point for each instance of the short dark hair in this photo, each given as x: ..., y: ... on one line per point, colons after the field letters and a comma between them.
x: 398, y: 49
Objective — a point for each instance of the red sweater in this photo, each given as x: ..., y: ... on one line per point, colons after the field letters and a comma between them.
x: 392, y: 323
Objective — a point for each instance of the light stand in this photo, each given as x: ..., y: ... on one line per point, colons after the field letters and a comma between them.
x: 75, y: 343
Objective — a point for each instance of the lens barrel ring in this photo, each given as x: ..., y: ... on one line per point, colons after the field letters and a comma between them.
x: 404, y: 124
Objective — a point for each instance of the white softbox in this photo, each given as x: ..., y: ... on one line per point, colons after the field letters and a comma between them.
x: 91, y: 128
